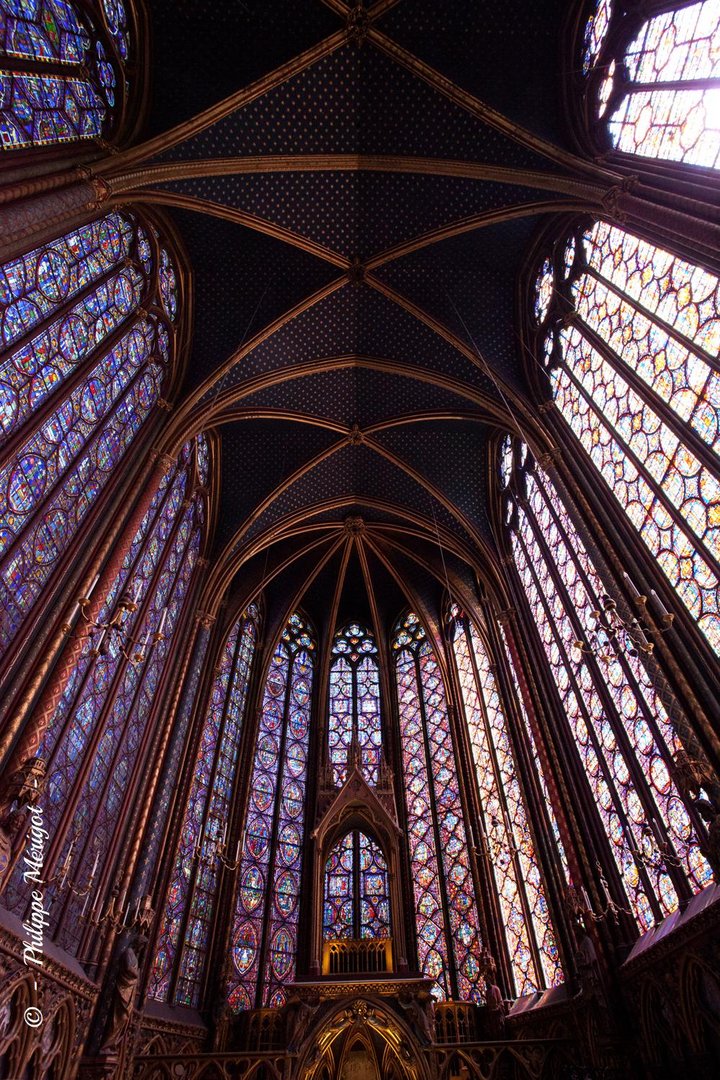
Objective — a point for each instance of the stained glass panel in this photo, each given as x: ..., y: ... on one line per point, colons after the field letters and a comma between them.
x: 662, y: 91
x: 521, y: 895
x: 436, y: 829
x: 645, y: 340
x: 356, y: 891
x: 621, y: 729
x: 354, y: 703
x: 267, y: 904
x: 58, y: 81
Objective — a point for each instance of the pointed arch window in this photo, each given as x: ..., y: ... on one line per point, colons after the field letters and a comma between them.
x: 184, y: 934
x: 87, y: 325
x: 264, y: 936
x: 92, y: 744
x: 529, y: 935
x: 354, y: 703
x: 446, y: 913
x: 623, y: 736
x: 655, y: 82
x: 630, y: 337
x: 62, y: 72
x: 356, y: 890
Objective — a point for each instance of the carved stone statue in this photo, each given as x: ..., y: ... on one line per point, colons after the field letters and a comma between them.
x: 20, y: 791
x: 588, y: 968
x: 299, y: 1016
x: 420, y: 1016
x: 125, y: 983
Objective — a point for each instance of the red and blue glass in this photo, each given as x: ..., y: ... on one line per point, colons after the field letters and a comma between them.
x: 354, y: 704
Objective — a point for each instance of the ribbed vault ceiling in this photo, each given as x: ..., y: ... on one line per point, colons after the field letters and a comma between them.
x: 356, y: 218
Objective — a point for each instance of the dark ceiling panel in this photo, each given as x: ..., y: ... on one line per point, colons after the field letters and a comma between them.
x: 242, y: 281
x: 354, y: 101
x: 204, y: 50
x: 357, y: 214
x: 357, y: 320
x: 505, y: 52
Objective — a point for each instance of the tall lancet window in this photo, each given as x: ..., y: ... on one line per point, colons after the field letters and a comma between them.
x: 625, y: 740
x: 184, y: 934
x: 264, y: 938
x: 93, y: 744
x: 357, y: 895
x: 62, y: 73
x: 630, y: 336
x: 446, y: 913
x: 655, y: 82
x: 354, y: 703
x: 87, y: 325
x: 529, y: 934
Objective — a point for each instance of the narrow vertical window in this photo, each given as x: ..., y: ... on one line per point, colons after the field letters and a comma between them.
x: 264, y: 938
x: 187, y: 918
x: 448, y: 928
x: 528, y: 930
x: 623, y: 735
x: 354, y: 703
x: 356, y: 894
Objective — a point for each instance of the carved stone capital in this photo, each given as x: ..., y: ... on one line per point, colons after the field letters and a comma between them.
x: 164, y: 462
x: 166, y: 406
x: 205, y: 619
x: 550, y: 459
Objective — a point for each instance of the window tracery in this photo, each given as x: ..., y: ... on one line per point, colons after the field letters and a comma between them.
x: 184, y: 934
x: 625, y: 739
x: 448, y: 926
x: 630, y: 337
x: 357, y: 895
x: 264, y: 936
x: 62, y: 71
x: 655, y: 82
x: 92, y: 743
x: 354, y: 703
x: 529, y: 934
x: 89, y: 347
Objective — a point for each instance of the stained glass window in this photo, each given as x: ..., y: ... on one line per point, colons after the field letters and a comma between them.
x: 448, y: 927
x: 82, y: 368
x: 623, y: 735
x: 656, y: 81
x: 264, y: 937
x: 62, y: 75
x: 354, y: 703
x: 635, y: 374
x: 356, y: 896
x: 529, y: 934
x: 93, y: 741
x: 188, y: 910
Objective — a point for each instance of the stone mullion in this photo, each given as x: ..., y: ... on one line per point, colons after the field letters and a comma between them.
x: 621, y: 545
x: 596, y: 674
x: 91, y: 748
x: 177, y: 794
x: 508, y: 821
x: 272, y: 860
x: 432, y: 795
x: 103, y: 948
x: 192, y: 887
x: 220, y: 944
x: 608, y: 863
x: 554, y: 880
x: 405, y: 888
x: 480, y: 865
x: 678, y: 875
